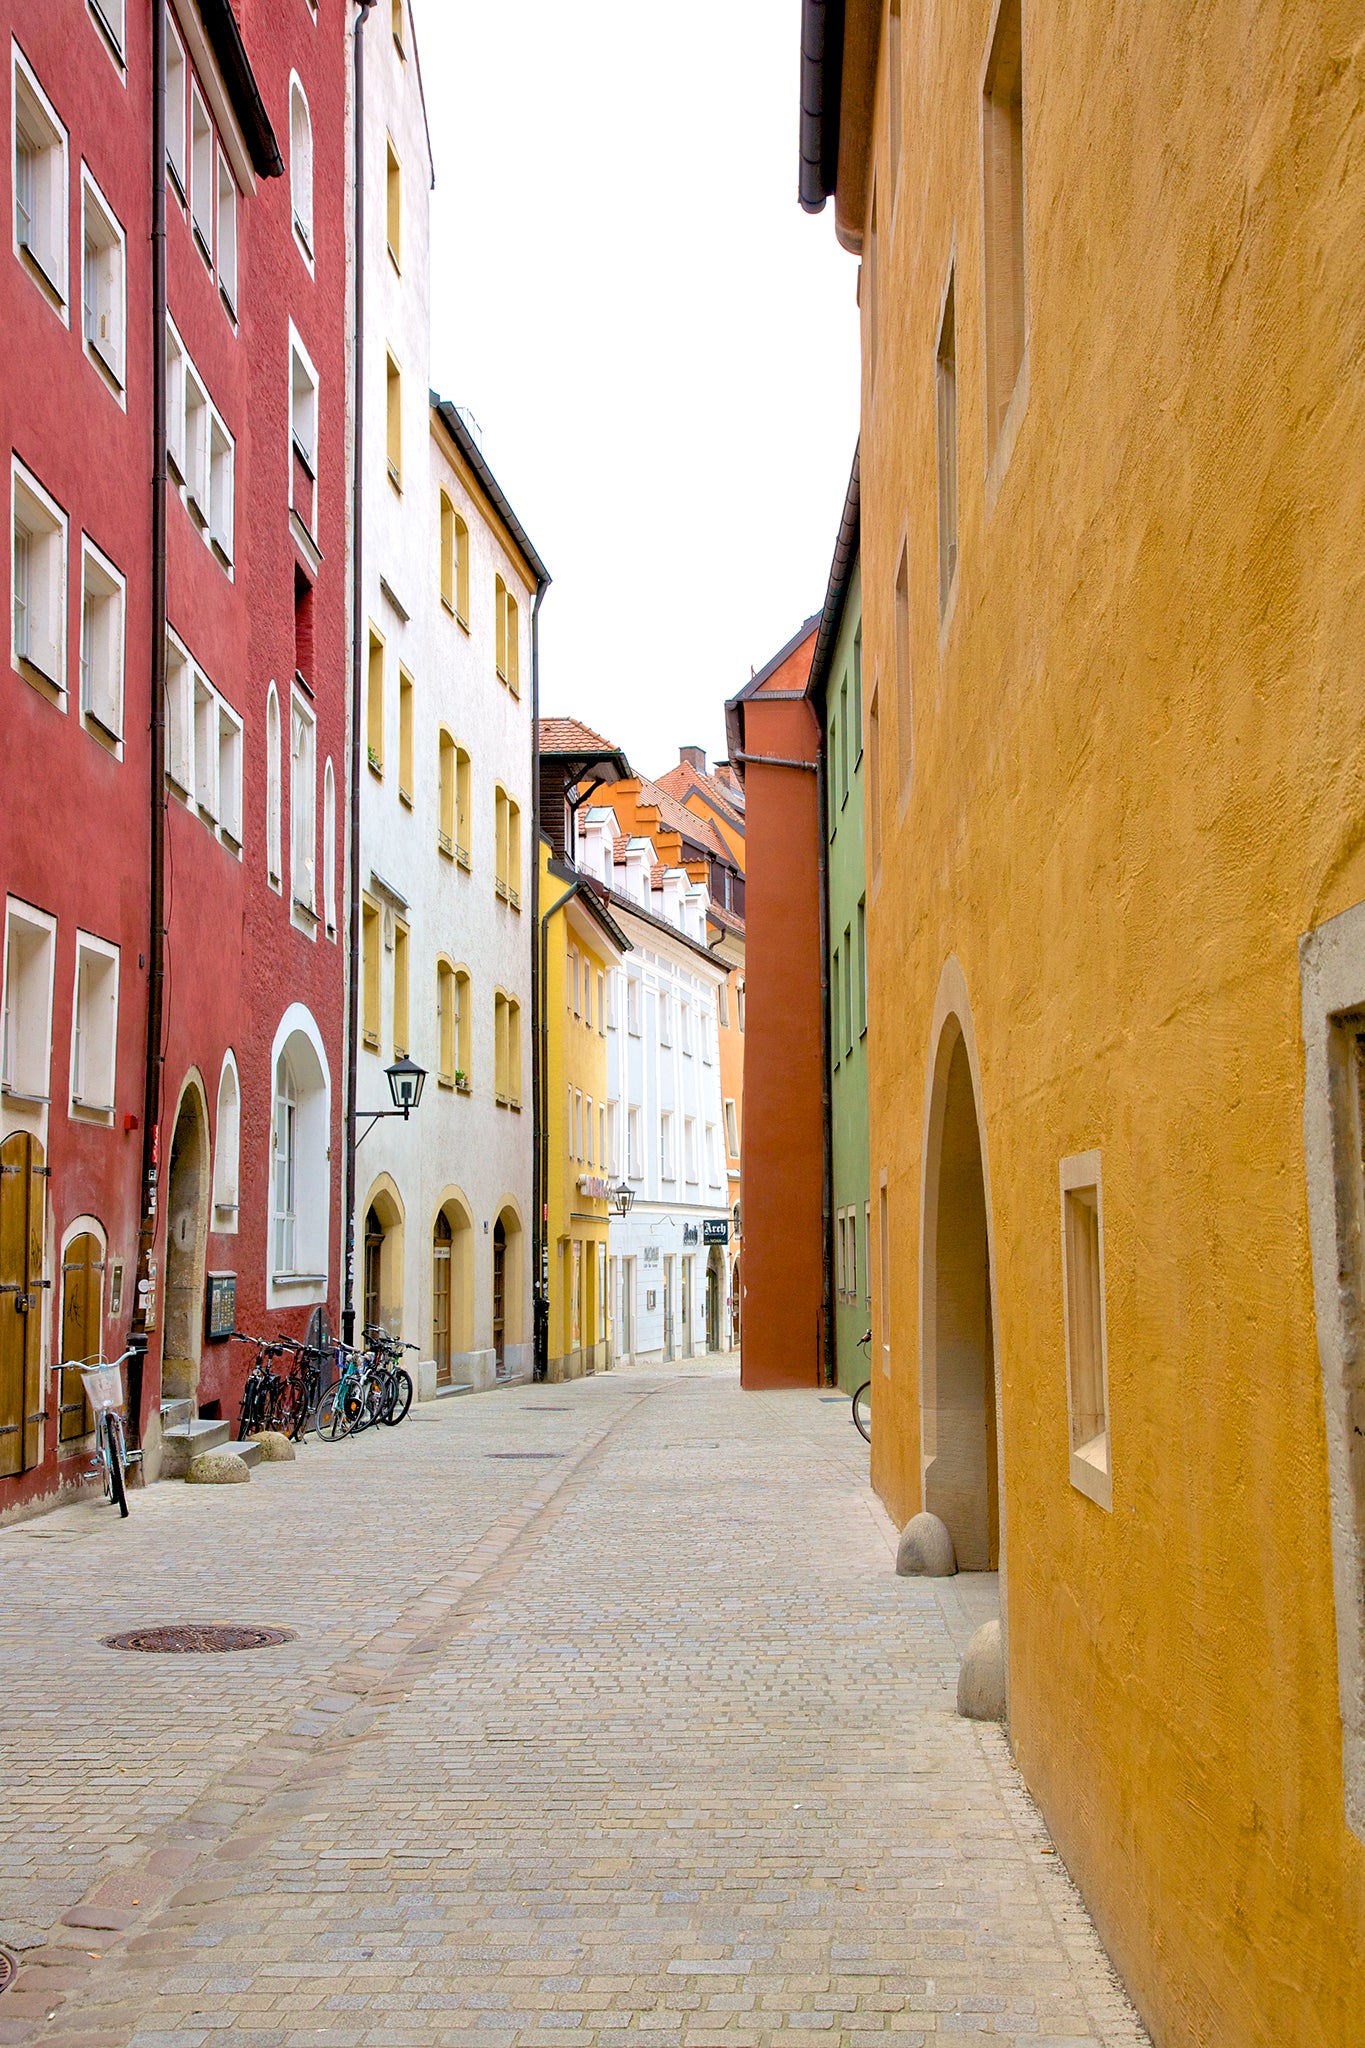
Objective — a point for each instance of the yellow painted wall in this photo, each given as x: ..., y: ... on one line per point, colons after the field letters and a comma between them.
x: 1138, y: 778
x: 576, y: 1056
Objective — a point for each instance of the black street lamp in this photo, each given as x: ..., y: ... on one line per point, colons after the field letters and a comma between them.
x: 405, y: 1079
x: 623, y: 1199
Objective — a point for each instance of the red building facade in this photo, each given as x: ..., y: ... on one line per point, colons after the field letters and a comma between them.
x: 243, y: 644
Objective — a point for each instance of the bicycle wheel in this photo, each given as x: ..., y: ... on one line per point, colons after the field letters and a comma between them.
x: 115, y: 1489
x: 862, y: 1410
x: 331, y: 1413
x: 400, y: 1397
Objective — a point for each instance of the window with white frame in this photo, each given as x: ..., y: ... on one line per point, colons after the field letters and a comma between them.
x: 175, y: 404
x: 102, y: 640
x: 713, y: 1173
x: 666, y: 1165
x: 634, y: 1146
x: 301, y: 165
x: 222, y: 473
x: 612, y: 979
x: 94, y: 1027
x: 273, y: 804
x: 229, y: 774
x: 601, y: 1005
x: 588, y: 1132
x: 665, y: 1018
x: 723, y: 1002
x: 177, y: 86
x: 613, y: 1141
x: 109, y: 15
x: 195, y: 447
x: 227, y: 1146
x: 201, y: 450
x: 690, y: 1147
x: 685, y: 1020
x: 26, y: 1040
x: 179, y: 717
x: 633, y: 1005
x: 227, y: 233
x: 602, y: 1136
x: 40, y: 183
x: 303, y: 432
x: 329, y: 848
x: 103, y: 282
x: 731, y: 1129
x: 39, y: 579
x: 286, y: 1166
x: 300, y: 1189
x: 202, y: 174
x: 302, y: 806
x: 206, y: 748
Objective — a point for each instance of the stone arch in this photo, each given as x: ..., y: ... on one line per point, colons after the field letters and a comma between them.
x: 298, y: 1253
x: 452, y: 1248
x: 960, y: 1409
x: 509, y: 1254
x: 187, y: 1231
x: 382, y: 1223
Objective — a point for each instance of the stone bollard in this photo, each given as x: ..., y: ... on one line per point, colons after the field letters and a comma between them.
x: 276, y: 1447
x: 217, y: 1468
x: 981, y: 1681
x: 926, y: 1549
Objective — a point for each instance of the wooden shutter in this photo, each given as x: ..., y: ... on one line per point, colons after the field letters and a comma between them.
x: 23, y: 1207
x: 82, y: 1303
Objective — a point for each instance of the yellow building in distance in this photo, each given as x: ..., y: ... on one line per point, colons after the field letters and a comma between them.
x: 1113, y: 461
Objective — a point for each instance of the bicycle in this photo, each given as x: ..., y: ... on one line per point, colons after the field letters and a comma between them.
x: 390, y: 1375
x: 862, y: 1400
x: 263, y: 1392
x: 103, y: 1385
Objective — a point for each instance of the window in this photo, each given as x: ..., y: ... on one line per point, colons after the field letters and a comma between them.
x: 690, y: 1148
x: 512, y: 1070
x: 273, y: 864
x: 405, y: 737
x: 102, y: 641
x: 301, y: 1179
x: 445, y: 813
x: 613, y: 1155
x: 601, y: 1005
x: 588, y: 1132
x: 862, y: 965
x: 895, y: 88
x: 94, y: 1027
x: 445, y: 1023
x: 109, y: 14
x: 587, y: 993
x: 832, y: 771
x: 848, y: 990
x: 723, y: 1003
x: 227, y: 1148
x: 1087, y: 1365
x: 374, y: 704
x: 634, y: 1152
x: 103, y: 272
x: 462, y: 1029
x: 230, y: 774
x: 397, y: 13
x: 573, y: 994
x: 500, y: 626
x: 665, y: 1018
x: 302, y: 807
x: 202, y: 174
x: 39, y: 580
x: 222, y: 462
x: 731, y: 1129
x: 844, y: 756
x: 867, y: 1255
x: 905, y: 703
x: 394, y: 421
x: 393, y: 205
x: 513, y: 854
x: 175, y: 404
x: 836, y: 1001
x: 400, y: 988
x: 40, y: 184
x: 685, y: 1024
x: 372, y: 952
x: 841, y: 1255
x: 303, y: 434
x: 195, y: 446
x: 177, y: 80
x: 329, y: 848
x: 205, y: 785
x: 26, y: 1045
x: 633, y: 1005
x: 1002, y: 179
x: 301, y: 165
x: 666, y: 1170
x: 858, y: 691
x: 852, y: 1276
x: 513, y: 670
x: 945, y: 393
x: 462, y: 802
x: 227, y: 234
x: 602, y: 1159
x: 179, y: 717
x: 500, y: 849
x: 449, y: 553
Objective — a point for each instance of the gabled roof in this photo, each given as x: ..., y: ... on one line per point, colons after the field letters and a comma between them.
x: 570, y: 736
x: 676, y: 817
x: 734, y: 709
x: 680, y: 782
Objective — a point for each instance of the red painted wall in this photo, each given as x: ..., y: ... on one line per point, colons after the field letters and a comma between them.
x: 783, y: 1043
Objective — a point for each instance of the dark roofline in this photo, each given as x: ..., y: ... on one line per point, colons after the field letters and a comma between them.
x: 473, y: 455
x: 225, y: 40
x: 840, y: 577
x: 822, y: 77
x: 734, y: 709
x: 661, y: 924
x: 591, y: 894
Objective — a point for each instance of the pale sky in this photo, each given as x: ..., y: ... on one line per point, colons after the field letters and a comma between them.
x: 660, y: 348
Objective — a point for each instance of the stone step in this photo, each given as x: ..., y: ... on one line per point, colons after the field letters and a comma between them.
x: 173, y: 1413
x: 186, y: 1440
x: 449, y: 1393
x: 249, y: 1451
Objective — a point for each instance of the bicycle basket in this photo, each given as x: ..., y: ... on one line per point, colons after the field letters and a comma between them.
x: 103, y: 1387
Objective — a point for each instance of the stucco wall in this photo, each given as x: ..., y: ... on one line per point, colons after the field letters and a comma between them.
x: 1138, y: 779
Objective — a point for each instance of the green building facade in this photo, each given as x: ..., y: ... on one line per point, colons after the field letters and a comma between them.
x: 836, y: 690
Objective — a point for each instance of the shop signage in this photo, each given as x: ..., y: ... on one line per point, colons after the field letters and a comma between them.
x: 715, y: 1230
x: 220, y: 1305
x: 593, y: 1185
x: 689, y: 1233
x: 651, y: 1254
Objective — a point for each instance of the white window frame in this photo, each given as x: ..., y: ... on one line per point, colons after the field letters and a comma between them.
x: 667, y: 1163
x: 274, y: 791
x: 220, y: 531
x: 26, y: 1071
x: 230, y: 826
x: 179, y: 716
x: 303, y: 781
x: 329, y: 850
x: 304, y: 423
x: 109, y: 16
x: 227, y: 234
x: 301, y: 169
x: 46, y: 655
x: 731, y: 1128
x: 634, y: 1160
x: 203, y: 159
x: 103, y: 708
x: 177, y: 105
x: 633, y: 992
x: 104, y: 323
x: 45, y: 251
x: 93, y: 1092
x: 227, y: 1149
x: 205, y: 748
x: 690, y: 1162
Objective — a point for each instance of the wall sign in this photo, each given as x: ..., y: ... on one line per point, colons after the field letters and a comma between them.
x: 220, y: 1306
x: 715, y: 1230
x: 651, y: 1255
x: 689, y: 1233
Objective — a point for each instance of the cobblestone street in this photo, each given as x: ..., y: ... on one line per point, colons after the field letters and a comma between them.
x: 606, y: 1720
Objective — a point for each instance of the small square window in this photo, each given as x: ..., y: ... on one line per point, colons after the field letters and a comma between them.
x: 26, y: 1041
x: 94, y: 1028
x: 102, y: 642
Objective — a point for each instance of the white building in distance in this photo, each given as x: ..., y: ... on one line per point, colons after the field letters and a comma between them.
x: 449, y: 584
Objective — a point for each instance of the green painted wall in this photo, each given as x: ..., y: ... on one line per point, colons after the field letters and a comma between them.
x: 842, y: 712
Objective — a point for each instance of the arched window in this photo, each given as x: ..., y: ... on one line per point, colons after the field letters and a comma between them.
x: 499, y: 839
x: 512, y: 671
x: 329, y: 847
x: 500, y: 625
x: 227, y: 1148
x: 301, y: 1173
x: 461, y: 571
x: 447, y: 552
x: 446, y: 818
x: 499, y: 1045
x: 447, y: 1011
x: 512, y: 1068
x: 301, y: 163
x: 272, y: 787
x: 513, y: 869
x: 462, y: 807
x: 462, y: 1030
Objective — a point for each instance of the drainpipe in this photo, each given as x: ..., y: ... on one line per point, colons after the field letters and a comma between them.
x: 542, y: 1134
x: 540, y: 1296
x: 826, y: 1039
x: 145, y: 1303
x: 357, y: 693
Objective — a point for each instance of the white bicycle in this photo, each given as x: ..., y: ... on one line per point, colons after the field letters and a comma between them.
x: 103, y: 1385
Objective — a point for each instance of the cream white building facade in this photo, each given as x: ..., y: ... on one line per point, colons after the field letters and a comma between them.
x: 449, y: 585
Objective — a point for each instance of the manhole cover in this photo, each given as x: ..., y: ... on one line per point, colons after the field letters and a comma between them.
x: 181, y: 1638
x: 6, y: 1970
x: 523, y: 1454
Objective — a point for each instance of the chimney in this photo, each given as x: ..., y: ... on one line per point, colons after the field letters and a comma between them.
x: 693, y: 757
x: 723, y: 774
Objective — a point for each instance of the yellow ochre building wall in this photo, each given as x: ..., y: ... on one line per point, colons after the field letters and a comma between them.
x: 1125, y: 776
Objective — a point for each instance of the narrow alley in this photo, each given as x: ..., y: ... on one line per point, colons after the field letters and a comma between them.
x: 604, y: 1717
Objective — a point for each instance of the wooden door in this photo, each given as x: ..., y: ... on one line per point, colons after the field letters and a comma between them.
x: 499, y: 1293
x: 440, y: 1298
x: 23, y: 1207
x: 373, y: 1258
x: 82, y: 1330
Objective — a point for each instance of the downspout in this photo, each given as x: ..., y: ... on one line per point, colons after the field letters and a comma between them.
x: 826, y: 1106
x: 542, y: 1134
x: 144, y: 1308
x: 357, y: 691
x: 540, y: 1300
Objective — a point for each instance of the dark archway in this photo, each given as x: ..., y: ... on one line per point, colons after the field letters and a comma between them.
x: 187, y: 1224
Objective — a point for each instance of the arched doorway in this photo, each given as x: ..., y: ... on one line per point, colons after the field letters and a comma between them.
x: 508, y: 1289
x: 187, y: 1222
x: 382, y: 1261
x: 82, y: 1327
x: 957, y: 1392
x: 452, y: 1256
x: 715, y: 1296
x: 734, y: 1304
x: 441, y: 1238
x: 500, y: 1296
